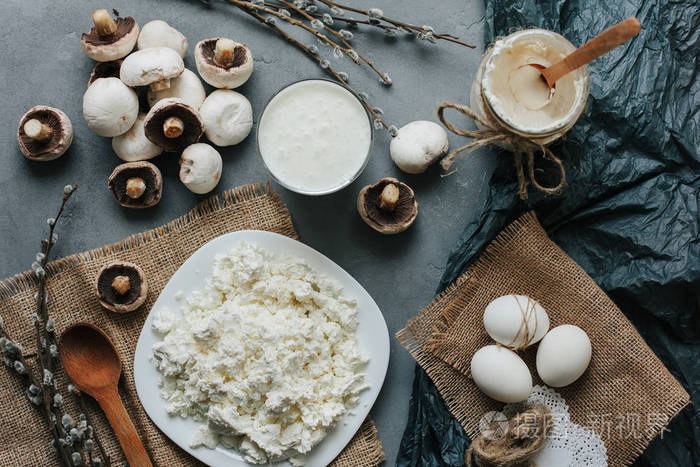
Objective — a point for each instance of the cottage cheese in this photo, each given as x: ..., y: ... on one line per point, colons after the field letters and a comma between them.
x: 265, y: 356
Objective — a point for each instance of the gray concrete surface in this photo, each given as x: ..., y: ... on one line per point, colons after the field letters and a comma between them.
x: 41, y: 63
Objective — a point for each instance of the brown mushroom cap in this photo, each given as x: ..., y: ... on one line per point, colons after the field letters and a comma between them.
x: 207, y: 48
x: 124, y: 27
x: 172, y: 107
x: 110, y: 298
x: 146, y: 171
x: 223, y: 77
x: 105, y: 70
x: 387, y: 221
x: 53, y: 147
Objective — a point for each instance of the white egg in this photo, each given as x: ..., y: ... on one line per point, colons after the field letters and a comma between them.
x: 505, y: 318
x: 501, y: 374
x: 563, y: 355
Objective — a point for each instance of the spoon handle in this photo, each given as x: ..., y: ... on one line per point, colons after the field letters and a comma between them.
x: 126, y: 433
x: 599, y: 45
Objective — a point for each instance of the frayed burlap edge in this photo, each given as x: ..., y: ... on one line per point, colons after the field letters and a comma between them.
x: 365, y: 443
x: 23, y: 280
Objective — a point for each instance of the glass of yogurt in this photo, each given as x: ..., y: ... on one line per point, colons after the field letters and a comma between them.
x: 315, y: 137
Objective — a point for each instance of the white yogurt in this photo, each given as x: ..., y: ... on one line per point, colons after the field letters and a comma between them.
x: 314, y: 136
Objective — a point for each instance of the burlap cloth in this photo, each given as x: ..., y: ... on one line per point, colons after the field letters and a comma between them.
x: 626, y: 395
x: 160, y: 252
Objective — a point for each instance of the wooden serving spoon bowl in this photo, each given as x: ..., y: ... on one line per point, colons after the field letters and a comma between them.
x: 93, y: 365
x: 599, y: 45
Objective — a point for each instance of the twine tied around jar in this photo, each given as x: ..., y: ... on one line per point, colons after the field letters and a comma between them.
x: 514, y: 444
x: 524, y: 149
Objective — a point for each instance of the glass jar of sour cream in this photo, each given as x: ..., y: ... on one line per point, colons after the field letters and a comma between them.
x: 512, y: 94
x: 315, y: 137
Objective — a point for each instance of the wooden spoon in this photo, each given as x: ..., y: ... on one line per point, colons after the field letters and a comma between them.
x: 93, y: 365
x: 599, y: 45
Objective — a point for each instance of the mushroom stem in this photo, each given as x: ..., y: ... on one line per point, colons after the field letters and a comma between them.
x: 389, y: 197
x: 160, y: 85
x: 121, y: 284
x: 37, y: 130
x: 224, y: 52
x: 173, y: 127
x: 135, y: 187
x: 104, y: 23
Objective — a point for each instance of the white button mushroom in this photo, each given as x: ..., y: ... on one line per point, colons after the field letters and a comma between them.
x: 223, y: 63
x: 109, y: 40
x: 133, y: 145
x: 187, y: 87
x: 200, y: 168
x: 227, y: 117
x: 417, y: 145
x: 110, y: 107
x: 160, y: 34
x: 154, y: 67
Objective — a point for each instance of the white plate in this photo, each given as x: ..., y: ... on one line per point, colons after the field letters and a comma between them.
x: 372, y: 335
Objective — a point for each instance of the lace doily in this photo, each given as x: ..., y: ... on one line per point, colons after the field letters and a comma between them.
x: 567, y: 444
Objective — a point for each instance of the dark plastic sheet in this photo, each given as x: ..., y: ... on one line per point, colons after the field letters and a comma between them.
x: 630, y: 214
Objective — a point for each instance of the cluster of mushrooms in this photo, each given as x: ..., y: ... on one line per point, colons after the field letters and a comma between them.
x: 149, y: 103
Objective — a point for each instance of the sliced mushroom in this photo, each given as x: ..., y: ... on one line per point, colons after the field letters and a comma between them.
x: 44, y: 133
x: 133, y: 145
x: 173, y: 125
x: 105, y: 70
x: 227, y: 117
x: 109, y: 39
x: 136, y: 184
x: 153, y: 67
x: 389, y: 206
x: 417, y: 145
x: 160, y: 34
x: 110, y: 107
x: 223, y: 63
x: 200, y: 168
x: 121, y: 286
x: 187, y: 87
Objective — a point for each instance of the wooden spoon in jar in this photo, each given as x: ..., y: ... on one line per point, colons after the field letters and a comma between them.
x: 93, y: 365
x: 599, y: 45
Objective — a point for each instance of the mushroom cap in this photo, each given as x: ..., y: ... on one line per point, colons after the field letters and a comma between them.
x: 110, y: 107
x: 217, y: 76
x: 200, y: 168
x: 149, y: 66
x: 114, y: 46
x: 54, y: 147
x: 105, y: 70
x: 113, y: 301
x: 133, y: 145
x: 141, y: 169
x: 173, y: 107
x: 387, y: 222
x: 187, y: 87
x: 160, y: 34
x: 227, y: 117
x: 417, y: 145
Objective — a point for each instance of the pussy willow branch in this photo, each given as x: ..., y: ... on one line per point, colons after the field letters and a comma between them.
x: 70, y: 441
x: 339, y: 37
x: 322, y: 37
x: 400, y: 24
x: 42, y: 332
x: 252, y: 12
